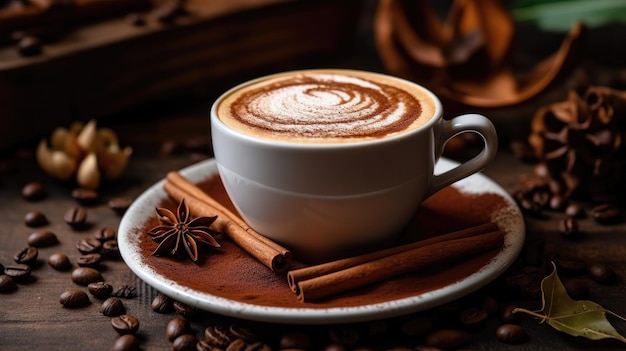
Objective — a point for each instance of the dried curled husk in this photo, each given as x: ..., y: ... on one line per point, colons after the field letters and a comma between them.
x: 581, y: 142
x: 466, y: 58
x: 83, y: 153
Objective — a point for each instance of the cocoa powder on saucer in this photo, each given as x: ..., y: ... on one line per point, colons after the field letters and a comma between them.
x: 231, y: 273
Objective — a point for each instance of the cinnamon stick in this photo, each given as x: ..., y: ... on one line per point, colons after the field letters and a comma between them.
x: 384, y: 268
x: 266, y: 251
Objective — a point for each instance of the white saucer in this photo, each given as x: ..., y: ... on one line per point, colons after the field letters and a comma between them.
x: 509, y: 219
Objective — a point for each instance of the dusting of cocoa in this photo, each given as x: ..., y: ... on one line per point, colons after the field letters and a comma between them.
x: 231, y: 273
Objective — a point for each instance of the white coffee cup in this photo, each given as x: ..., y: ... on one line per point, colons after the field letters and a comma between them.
x: 325, y: 197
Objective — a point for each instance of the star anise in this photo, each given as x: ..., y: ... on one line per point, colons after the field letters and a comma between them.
x: 179, y: 234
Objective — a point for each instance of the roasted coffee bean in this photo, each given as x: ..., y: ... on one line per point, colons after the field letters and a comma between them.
x: 185, y: 342
x: 112, y: 307
x: 295, y: 340
x: 19, y: 272
x: 105, y: 234
x: 176, y: 327
x: 85, y: 275
x: 185, y: 310
x: 27, y: 255
x: 217, y: 336
x: 89, y: 246
x: 577, y: 289
x: 507, y: 315
x: 74, y: 298
x: 511, y: 333
x: 35, y: 219
x: 110, y: 250
x: 239, y: 345
x: 602, y: 273
x: 242, y: 333
x: 42, y: 238
x: 89, y: 260
x: 448, y: 338
x: 260, y: 346
x: 568, y: 228
x: 541, y: 198
x: 85, y: 196
x: 33, y: 191
x: 29, y: 45
x: 530, y: 207
x: 162, y: 304
x: 75, y: 217
x: 557, y: 202
x: 7, y: 284
x: 125, y: 291
x: 605, y: 214
x: 120, y: 204
x: 100, y: 290
x: 125, y: 324
x: 575, y: 210
x: 473, y: 318
x: 59, y: 261
x: 126, y: 342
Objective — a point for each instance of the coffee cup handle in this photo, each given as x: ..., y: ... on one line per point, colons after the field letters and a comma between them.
x: 473, y: 123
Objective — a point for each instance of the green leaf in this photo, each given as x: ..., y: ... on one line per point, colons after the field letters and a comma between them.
x: 560, y: 15
x: 578, y: 318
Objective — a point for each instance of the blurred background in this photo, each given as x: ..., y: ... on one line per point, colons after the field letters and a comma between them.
x: 131, y: 60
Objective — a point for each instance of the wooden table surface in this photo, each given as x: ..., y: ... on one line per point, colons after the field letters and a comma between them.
x: 32, y: 317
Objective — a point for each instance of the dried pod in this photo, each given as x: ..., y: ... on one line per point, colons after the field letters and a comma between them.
x: 113, y: 161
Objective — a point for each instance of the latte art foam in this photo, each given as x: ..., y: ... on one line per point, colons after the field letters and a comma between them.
x: 323, y: 105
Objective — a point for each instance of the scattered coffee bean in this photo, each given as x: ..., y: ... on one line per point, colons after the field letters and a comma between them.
x: 42, y: 238
x: 185, y: 310
x: 507, y: 315
x: 260, y: 346
x: 85, y: 196
x: 125, y: 291
x: 76, y: 217
x: 110, y: 250
x: 112, y: 307
x: 602, y: 273
x: 125, y: 324
x: 511, y: 334
x: 29, y: 45
x: 105, y: 234
x: 176, y: 327
x: 7, y: 284
x: 59, y: 261
x: 605, y: 214
x: 84, y: 276
x: 243, y: 333
x: 126, y: 342
x: 473, y: 318
x: 344, y: 336
x: 89, y: 246
x: 35, y: 219
x: 242, y: 345
x: 89, y: 260
x: 162, y: 304
x: 577, y: 289
x: 568, y: 228
x: 19, y: 272
x: 448, y: 338
x: 120, y: 204
x: 185, y: 342
x: 217, y: 336
x: 100, y: 290
x: 33, y: 191
x: 295, y: 340
x: 557, y: 202
x: 27, y: 255
x: 575, y: 210
x: 74, y: 298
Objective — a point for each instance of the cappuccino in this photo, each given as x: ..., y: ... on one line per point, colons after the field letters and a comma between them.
x: 326, y: 106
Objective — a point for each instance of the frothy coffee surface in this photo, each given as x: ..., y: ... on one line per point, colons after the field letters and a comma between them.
x: 320, y: 106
